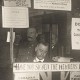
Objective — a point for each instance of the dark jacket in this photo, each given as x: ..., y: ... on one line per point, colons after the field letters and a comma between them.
x: 47, y: 59
x: 25, y: 51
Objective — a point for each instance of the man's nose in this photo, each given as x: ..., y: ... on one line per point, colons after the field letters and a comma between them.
x: 42, y: 53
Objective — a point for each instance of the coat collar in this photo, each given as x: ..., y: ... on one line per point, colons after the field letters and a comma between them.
x: 37, y: 60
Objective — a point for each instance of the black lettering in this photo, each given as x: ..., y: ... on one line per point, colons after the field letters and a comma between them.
x: 77, y: 24
x: 78, y: 29
x: 37, y: 67
x: 75, y: 34
x: 60, y: 67
x: 45, y: 67
x: 53, y: 67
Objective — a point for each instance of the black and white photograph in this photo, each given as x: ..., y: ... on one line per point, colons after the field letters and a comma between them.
x: 39, y: 39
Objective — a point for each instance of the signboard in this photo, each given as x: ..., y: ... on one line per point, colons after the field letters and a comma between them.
x: 17, y: 3
x: 8, y: 36
x: 33, y: 76
x: 75, y: 33
x: 15, y: 17
x: 53, y: 4
x: 24, y: 67
x: 26, y: 76
x: 75, y: 75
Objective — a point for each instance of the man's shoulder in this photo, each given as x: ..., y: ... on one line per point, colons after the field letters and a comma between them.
x: 47, y: 60
x: 23, y: 44
x: 27, y: 43
x: 30, y: 59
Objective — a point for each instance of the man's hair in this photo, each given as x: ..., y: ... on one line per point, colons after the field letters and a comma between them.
x: 44, y: 43
x: 32, y: 28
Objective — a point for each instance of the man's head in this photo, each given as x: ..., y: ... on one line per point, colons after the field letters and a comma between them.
x: 41, y: 50
x: 31, y: 34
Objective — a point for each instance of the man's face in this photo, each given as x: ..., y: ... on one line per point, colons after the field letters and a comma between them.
x: 31, y: 34
x: 41, y: 51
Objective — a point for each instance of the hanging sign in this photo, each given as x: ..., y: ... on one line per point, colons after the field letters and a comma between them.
x: 75, y: 33
x: 15, y: 17
x: 26, y: 76
x: 17, y: 3
x: 8, y: 36
x: 24, y: 67
x: 53, y: 4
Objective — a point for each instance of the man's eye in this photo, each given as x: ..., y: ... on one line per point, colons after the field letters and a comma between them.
x: 41, y: 50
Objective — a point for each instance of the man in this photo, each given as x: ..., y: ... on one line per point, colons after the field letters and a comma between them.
x: 31, y: 34
x: 43, y: 37
x: 27, y: 49
x: 42, y: 56
x: 41, y: 51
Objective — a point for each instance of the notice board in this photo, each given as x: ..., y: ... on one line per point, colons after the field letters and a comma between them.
x: 17, y: 3
x: 75, y: 34
x: 53, y: 4
x: 15, y: 17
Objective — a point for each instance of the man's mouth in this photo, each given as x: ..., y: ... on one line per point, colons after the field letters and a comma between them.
x: 30, y: 37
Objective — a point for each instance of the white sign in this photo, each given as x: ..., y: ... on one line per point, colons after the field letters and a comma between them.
x: 75, y: 75
x: 24, y: 67
x: 53, y: 4
x: 17, y: 3
x: 8, y: 36
x: 26, y: 76
x: 75, y: 33
x: 15, y: 17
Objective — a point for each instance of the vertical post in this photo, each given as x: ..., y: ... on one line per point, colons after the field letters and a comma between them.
x: 11, y: 52
x: 11, y: 45
x: 50, y: 44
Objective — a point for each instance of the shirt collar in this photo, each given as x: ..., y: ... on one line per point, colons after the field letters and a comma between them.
x: 37, y: 60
